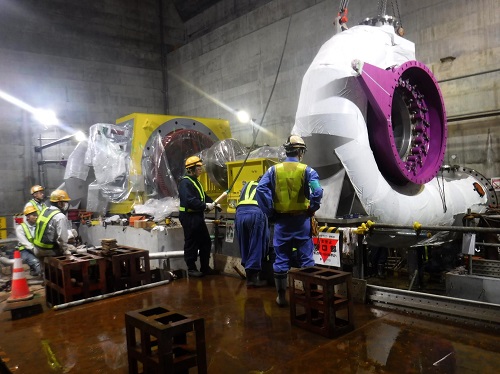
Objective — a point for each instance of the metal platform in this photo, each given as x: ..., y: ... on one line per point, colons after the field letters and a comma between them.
x: 467, y: 312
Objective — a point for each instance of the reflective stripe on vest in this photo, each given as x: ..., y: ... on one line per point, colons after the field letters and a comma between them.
x: 27, y: 232
x: 35, y: 204
x: 42, y: 222
x: 289, y: 190
x: 200, y: 191
x: 249, y: 196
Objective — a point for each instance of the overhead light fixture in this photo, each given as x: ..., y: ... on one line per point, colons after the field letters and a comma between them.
x: 243, y: 116
x: 447, y: 59
x: 80, y: 136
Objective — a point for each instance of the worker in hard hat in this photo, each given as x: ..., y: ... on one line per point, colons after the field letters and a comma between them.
x: 52, y: 227
x: 289, y: 193
x: 253, y: 234
x: 25, y: 233
x: 193, y: 203
x: 38, y: 197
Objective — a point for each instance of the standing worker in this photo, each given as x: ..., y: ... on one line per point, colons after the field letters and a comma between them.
x: 37, y: 201
x: 289, y: 193
x: 193, y: 203
x: 25, y: 233
x: 52, y: 227
x: 253, y: 234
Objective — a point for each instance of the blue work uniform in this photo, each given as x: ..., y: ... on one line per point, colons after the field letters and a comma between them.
x: 251, y: 228
x: 292, y: 225
x: 191, y: 215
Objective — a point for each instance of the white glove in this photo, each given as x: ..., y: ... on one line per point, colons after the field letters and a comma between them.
x: 209, y: 206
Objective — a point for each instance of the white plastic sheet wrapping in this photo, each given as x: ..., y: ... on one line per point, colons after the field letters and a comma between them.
x: 108, y: 153
x: 158, y: 174
x: 75, y: 168
x: 159, y: 209
x: 267, y: 152
x: 332, y: 105
x: 217, y: 155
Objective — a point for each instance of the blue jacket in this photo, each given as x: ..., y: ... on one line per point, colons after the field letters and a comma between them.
x: 288, y: 227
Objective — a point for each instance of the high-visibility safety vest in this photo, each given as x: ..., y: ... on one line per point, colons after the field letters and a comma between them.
x: 27, y: 232
x: 42, y: 222
x: 36, y: 205
x: 289, y: 190
x: 198, y: 186
x: 249, y: 195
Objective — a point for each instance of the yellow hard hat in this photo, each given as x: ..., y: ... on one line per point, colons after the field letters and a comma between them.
x: 59, y: 195
x: 193, y: 161
x: 36, y: 188
x: 29, y: 209
x: 294, y: 142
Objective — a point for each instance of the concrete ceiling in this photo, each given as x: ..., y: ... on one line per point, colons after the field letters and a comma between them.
x: 188, y: 9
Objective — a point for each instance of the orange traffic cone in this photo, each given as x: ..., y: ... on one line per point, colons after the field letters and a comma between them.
x: 19, y: 289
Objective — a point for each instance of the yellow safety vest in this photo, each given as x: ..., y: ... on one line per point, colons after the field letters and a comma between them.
x: 42, y: 221
x: 200, y: 191
x: 289, y: 190
x: 35, y: 204
x: 249, y: 196
x: 27, y: 232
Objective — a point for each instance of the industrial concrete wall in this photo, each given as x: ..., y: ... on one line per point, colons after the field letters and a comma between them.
x: 88, y: 61
x: 236, y: 64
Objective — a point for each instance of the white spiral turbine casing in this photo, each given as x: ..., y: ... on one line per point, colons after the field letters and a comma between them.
x: 332, y: 108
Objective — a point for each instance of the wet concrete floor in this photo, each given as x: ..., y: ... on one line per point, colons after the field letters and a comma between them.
x: 246, y: 332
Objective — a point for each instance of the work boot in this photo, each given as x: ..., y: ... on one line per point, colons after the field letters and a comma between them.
x: 195, y: 273
x: 210, y: 271
x: 253, y: 279
x: 280, y: 279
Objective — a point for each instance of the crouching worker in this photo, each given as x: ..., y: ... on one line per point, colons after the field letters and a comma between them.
x: 25, y: 233
x: 52, y: 227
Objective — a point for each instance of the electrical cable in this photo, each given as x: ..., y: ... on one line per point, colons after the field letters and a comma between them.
x: 442, y: 191
x: 267, y: 106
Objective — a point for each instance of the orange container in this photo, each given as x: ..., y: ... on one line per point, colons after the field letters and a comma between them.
x: 135, y: 218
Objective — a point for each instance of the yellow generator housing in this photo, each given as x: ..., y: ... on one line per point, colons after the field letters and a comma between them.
x: 158, y: 148
x: 252, y: 170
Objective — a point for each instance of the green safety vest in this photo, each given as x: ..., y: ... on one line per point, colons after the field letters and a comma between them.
x: 200, y: 191
x: 27, y: 232
x: 35, y: 204
x: 42, y: 221
x: 249, y: 197
x: 289, y: 190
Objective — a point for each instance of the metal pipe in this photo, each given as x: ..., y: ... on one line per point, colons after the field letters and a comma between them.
x: 108, y: 295
x: 488, y: 244
x: 435, y: 228
x: 161, y: 255
x: 45, y: 162
x: 55, y: 142
x: 6, y: 261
